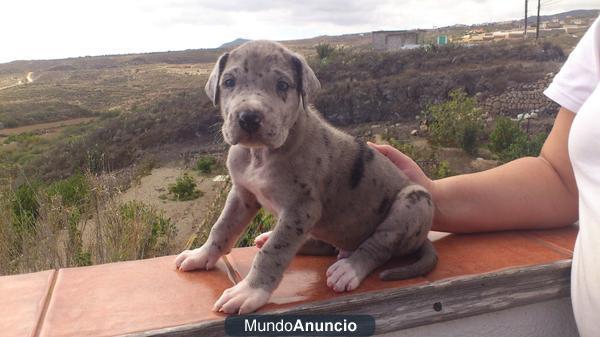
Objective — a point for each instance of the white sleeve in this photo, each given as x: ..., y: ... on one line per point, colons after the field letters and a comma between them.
x: 580, y: 74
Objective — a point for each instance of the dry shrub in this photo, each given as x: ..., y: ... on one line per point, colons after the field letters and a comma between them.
x: 96, y: 230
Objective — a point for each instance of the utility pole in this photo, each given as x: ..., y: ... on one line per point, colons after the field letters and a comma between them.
x: 525, y: 31
x: 537, y: 26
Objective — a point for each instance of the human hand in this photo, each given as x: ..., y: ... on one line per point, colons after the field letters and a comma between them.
x: 406, y: 164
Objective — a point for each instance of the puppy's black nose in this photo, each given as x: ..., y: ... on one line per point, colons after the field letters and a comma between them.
x: 250, y: 121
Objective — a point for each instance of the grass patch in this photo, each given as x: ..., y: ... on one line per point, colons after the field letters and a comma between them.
x: 25, y: 137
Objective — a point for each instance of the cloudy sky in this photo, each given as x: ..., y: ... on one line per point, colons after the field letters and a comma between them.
x: 42, y: 29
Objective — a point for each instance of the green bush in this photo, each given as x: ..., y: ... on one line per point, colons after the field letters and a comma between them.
x: 25, y: 206
x: 456, y: 122
x: 509, y: 142
x: 73, y: 190
x: 206, y: 164
x: 505, y: 133
x: 324, y: 51
x: 470, y: 137
x: 184, y: 189
x: 524, y: 147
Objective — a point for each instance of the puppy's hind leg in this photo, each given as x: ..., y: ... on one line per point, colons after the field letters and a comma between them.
x: 403, y: 231
x: 426, y: 261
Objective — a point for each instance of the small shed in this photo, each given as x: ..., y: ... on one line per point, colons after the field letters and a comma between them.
x: 397, y: 39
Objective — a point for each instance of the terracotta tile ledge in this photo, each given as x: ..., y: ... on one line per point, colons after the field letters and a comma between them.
x: 150, y: 295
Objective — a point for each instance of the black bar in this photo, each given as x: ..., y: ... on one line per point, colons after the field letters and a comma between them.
x: 300, y: 325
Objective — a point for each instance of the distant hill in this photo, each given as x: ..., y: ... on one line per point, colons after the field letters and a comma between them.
x: 233, y: 43
x: 579, y: 13
x: 209, y: 55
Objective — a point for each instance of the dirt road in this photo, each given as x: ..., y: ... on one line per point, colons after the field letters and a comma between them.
x: 28, y: 79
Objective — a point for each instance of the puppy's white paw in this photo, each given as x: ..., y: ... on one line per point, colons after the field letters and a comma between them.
x: 343, y: 276
x: 260, y: 240
x: 204, y: 257
x: 241, y: 299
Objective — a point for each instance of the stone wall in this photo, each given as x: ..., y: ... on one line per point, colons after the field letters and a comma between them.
x: 522, y: 98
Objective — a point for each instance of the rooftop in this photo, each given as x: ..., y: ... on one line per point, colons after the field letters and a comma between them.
x: 149, y: 297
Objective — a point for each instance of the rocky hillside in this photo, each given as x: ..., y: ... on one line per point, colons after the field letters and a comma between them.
x: 367, y: 86
x: 522, y: 98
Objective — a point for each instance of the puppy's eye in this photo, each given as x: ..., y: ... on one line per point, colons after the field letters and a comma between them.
x: 229, y: 83
x: 282, y: 86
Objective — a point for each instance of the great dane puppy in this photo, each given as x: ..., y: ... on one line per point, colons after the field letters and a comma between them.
x: 327, y: 189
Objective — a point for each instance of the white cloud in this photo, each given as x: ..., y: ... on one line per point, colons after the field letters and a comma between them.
x: 34, y: 29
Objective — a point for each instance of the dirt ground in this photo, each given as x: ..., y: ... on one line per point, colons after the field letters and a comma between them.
x: 186, y: 214
x: 45, y: 127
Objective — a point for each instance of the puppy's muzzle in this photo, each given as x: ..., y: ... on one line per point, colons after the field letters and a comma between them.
x: 250, y: 121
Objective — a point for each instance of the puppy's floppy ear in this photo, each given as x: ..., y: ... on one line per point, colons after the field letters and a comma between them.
x: 307, y: 82
x: 212, y: 86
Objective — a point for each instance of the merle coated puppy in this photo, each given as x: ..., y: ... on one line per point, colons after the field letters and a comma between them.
x: 328, y: 190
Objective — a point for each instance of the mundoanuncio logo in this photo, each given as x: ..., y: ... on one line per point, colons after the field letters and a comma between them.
x: 300, y: 325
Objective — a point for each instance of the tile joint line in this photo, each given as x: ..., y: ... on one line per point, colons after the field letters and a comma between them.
x: 48, y: 297
x: 232, y: 273
x: 548, y: 244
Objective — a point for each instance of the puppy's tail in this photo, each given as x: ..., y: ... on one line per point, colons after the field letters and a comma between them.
x: 427, y: 260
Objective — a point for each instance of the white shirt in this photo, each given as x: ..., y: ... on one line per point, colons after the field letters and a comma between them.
x: 576, y: 88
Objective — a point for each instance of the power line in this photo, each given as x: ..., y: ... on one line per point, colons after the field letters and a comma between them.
x: 552, y: 3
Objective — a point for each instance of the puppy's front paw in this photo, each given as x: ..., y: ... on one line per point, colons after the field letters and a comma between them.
x: 241, y: 299
x: 200, y: 258
x: 260, y: 240
x: 343, y: 276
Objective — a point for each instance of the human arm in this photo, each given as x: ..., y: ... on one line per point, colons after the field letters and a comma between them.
x: 527, y: 193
